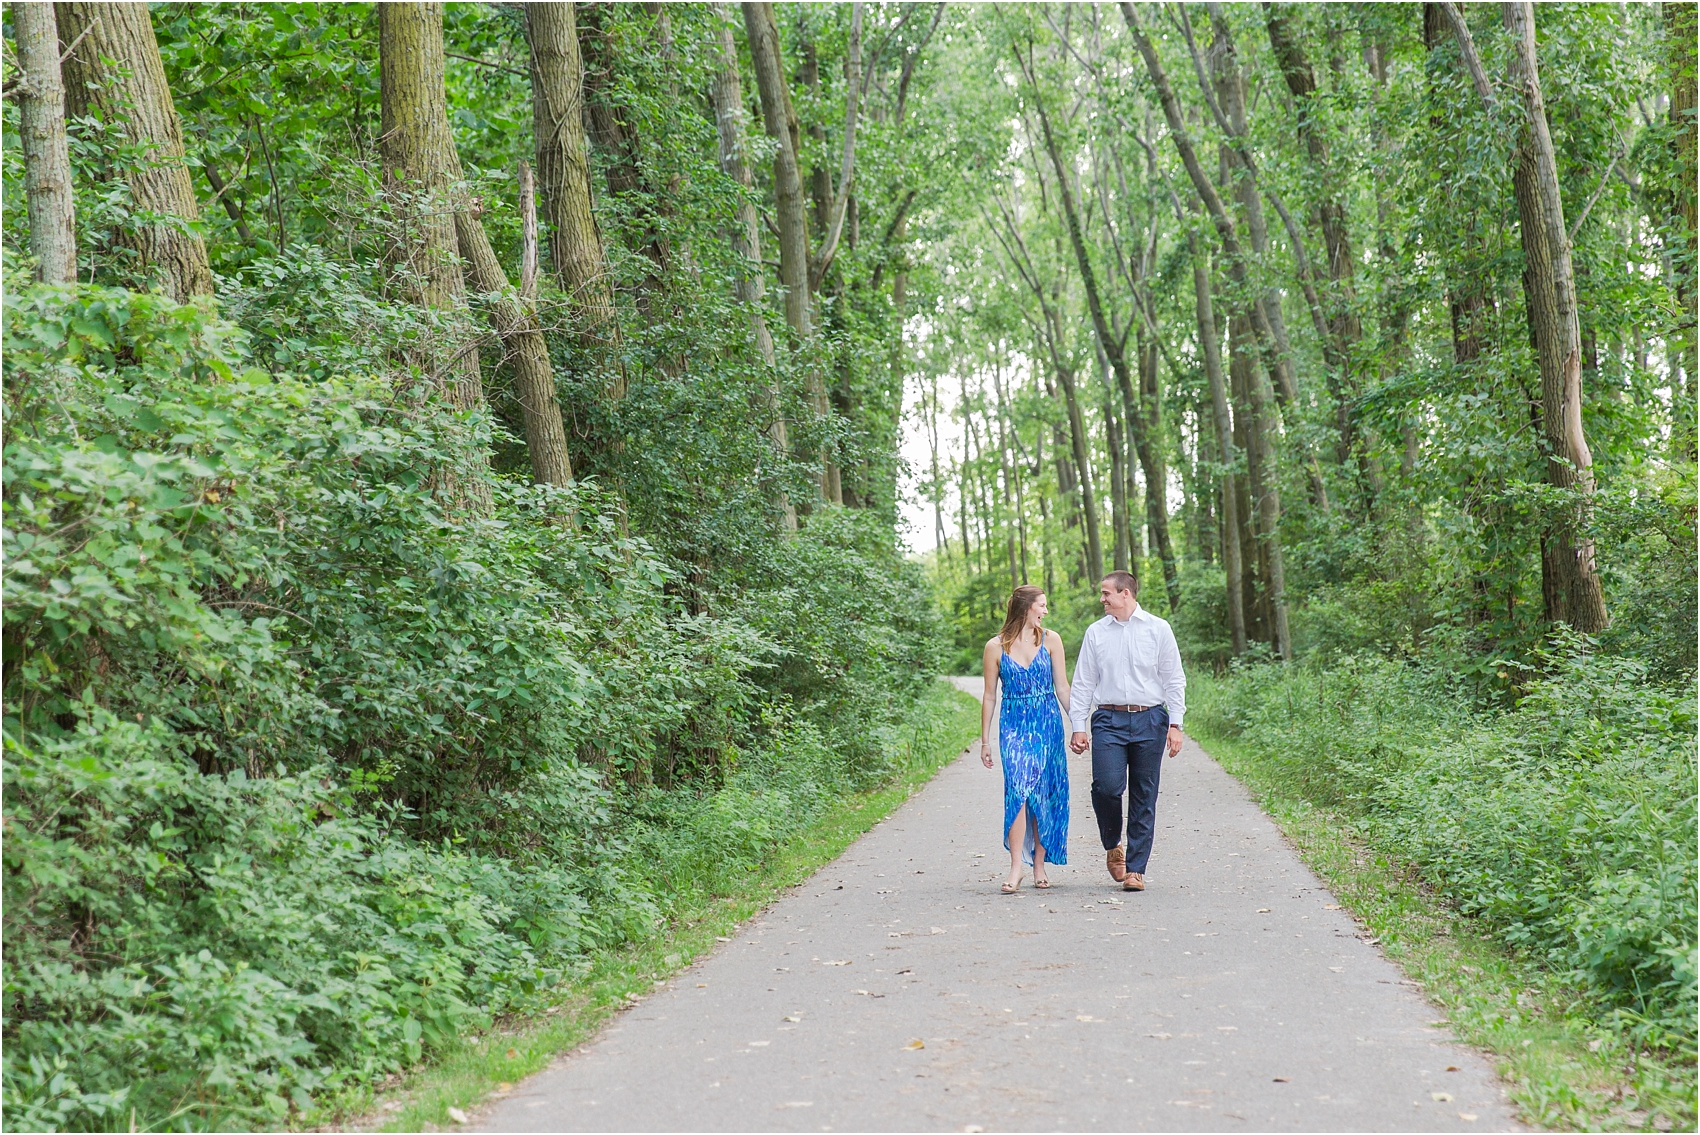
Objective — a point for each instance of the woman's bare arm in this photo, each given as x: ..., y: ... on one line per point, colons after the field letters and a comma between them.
x: 989, y: 660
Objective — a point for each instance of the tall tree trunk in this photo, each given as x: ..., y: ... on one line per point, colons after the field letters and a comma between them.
x: 1570, y: 582
x: 1210, y: 340
x: 780, y: 120
x: 515, y: 321
x: 1681, y: 33
x: 614, y: 136
x: 748, y: 284
x: 1107, y: 341
x: 1081, y: 445
x: 563, y: 174
x: 1006, y: 479
x: 1113, y: 439
x: 1343, y: 325
x: 1278, y: 355
x: 421, y: 169
x: 1268, y: 511
x: 52, y: 200
x: 1254, y: 574
x: 1148, y: 441
x: 133, y: 91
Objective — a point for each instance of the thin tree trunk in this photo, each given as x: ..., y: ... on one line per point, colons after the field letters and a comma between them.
x: 1278, y: 357
x: 1148, y: 441
x: 563, y: 174
x: 133, y: 91
x: 1210, y: 340
x: 1007, y: 486
x: 515, y: 321
x: 643, y: 203
x: 52, y: 201
x: 1254, y: 565
x: 778, y: 117
x: 748, y: 285
x: 1107, y: 341
x: 232, y: 208
x: 780, y: 120
x: 1118, y: 467
x: 940, y: 537
x: 1344, y: 329
x: 1269, y: 501
x: 1045, y: 559
x: 1681, y: 34
x: 1570, y: 580
x: 1080, y: 444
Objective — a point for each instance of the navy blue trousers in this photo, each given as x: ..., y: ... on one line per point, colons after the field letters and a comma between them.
x: 1127, y: 759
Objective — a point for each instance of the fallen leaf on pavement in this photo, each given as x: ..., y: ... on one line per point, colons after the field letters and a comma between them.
x: 1263, y: 910
x: 1440, y: 1097
x: 1469, y: 1116
x: 915, y: 1044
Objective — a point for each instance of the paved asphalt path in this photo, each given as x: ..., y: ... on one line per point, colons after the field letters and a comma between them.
x: 899, y: 990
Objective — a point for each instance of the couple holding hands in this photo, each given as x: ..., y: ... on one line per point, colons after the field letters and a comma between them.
x: 1126, y: 705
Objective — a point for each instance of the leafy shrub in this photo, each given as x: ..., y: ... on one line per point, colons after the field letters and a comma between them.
x: 1567, y: 823
x: 303, y: 775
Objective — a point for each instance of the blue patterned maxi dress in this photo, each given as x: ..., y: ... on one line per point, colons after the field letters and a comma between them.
x: 1035, y: 769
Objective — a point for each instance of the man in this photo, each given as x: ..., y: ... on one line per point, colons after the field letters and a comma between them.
x: 1128, y: 681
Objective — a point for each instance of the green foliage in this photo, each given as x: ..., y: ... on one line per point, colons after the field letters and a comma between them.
x: 1566, y: 822
x: 302, y: 778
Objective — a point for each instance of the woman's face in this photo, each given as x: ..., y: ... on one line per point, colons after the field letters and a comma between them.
x: 1037, y: 612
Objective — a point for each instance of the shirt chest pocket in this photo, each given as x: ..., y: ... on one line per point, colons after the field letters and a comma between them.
x: 1141, y: 645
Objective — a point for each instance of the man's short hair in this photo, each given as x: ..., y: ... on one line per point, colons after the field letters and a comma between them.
x: 1123, y: 581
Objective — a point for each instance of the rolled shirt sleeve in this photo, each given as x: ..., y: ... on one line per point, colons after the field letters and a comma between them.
x: 1085, y: 682
x: 1172, y: 677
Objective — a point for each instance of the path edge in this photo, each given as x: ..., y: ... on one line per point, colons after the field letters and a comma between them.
x: 471, y: 1075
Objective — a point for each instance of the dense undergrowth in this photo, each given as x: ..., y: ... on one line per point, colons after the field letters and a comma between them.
x: 1563, y: 822
x: 304, y: 776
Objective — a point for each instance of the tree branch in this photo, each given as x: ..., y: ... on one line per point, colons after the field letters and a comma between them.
x: 1472, y: 61
x: 847, y: 167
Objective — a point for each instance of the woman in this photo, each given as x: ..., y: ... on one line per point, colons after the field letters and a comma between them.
x: 1029, y: 661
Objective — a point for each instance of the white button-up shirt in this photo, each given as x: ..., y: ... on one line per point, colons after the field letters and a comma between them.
x: 1133, y: 661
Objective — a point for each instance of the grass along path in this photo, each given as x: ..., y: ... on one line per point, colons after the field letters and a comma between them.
x: 1565, y: 1072
x: 479, y: 1067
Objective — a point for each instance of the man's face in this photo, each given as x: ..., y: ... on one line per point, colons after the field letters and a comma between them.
x: 1118, y: 604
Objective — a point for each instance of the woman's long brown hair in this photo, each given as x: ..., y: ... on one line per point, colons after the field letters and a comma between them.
x: 1021, y: 601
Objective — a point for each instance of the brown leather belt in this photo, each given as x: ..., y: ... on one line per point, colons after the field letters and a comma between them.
x: 1126, y: 708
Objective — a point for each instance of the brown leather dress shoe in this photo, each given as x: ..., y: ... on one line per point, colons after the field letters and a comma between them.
x: 1116, y: 860
x: 1134, y: 882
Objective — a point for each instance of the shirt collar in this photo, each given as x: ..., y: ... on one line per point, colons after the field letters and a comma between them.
x: 1132, y: 615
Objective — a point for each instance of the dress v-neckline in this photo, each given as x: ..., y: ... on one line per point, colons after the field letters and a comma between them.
x: 1028, y: 665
